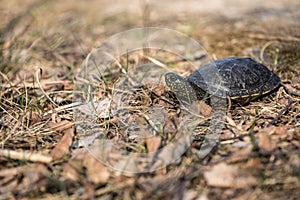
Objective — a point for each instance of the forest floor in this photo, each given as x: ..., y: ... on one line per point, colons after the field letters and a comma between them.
x: 43, y: 45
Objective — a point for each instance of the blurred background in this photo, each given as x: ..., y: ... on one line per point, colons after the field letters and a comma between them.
x: 69, y: 29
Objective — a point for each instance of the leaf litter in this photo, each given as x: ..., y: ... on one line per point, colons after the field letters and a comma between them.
x: 251, y: 161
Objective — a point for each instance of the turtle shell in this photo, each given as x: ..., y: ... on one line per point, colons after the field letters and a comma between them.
x: 242, y: 79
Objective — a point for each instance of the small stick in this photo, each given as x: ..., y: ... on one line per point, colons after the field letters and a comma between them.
x: 43, y: 91
x: 25, y: 156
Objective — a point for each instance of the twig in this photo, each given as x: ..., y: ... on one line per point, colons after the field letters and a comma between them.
x: 25, y: 156
x: 155, y: 61
x: 6, y: 78
x: 70, y: 106
x: 43, y: 91
x: 152, y: 124
x: 116, y: 187
x: 262, y: 51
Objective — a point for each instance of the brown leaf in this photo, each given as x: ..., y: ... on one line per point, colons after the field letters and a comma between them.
x: 11, y: 171
x: 70, y: 172
x: 291, y: 182
x: 169, y: 126
x: 230, y: 121
x: 190, y: 195
x: 96, y: 171
x: 7, y: 182
x: 205, y: 109
x: 159, y: 90
x: 265, y: 141
x: 294, y: 162
x: 34, y: 172
x: 153, y: 143
x: 254, y: 164
x: 279, y: 130
x: 240, y: 154
x: 34, y: 178
x: 223, y: 175
x: 63, y: 147
x: 35, y: 118
x: 10, y: 186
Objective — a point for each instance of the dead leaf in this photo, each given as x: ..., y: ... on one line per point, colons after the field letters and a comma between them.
x: 159, y: 90
x: 96, y: 171
x: 33, y: 173
x: 34, y: 177
x: 265, y: 141
x: 279, y: 130
x: 153, y: 143
x: 169, y: 126
x: 35, y: 118
x: 190, y: 195
x: 63, y: 147
x: 11, y: 171
x: 294, y: 162
x: 254, y: 164
x: 69, y: 172
x: 10, y: 186
x: 291, y: 182
x: 7, y: 176
x: 296, y: 143
x: 205, y: 109
x: 230, y: 121
x: 223, y: 175
x: 242, y: 154
x: 270, y: 181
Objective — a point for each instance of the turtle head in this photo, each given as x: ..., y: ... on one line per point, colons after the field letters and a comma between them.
x: 180, y: 87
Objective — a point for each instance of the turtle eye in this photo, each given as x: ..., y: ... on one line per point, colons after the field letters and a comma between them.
x: 170, y: 77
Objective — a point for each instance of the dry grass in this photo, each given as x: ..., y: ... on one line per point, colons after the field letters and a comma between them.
x: 42, y: 46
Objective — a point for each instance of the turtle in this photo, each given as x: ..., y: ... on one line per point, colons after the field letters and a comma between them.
x: 240, y: 80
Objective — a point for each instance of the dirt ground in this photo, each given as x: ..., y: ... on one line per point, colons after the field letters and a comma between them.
x: 42, y: 47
